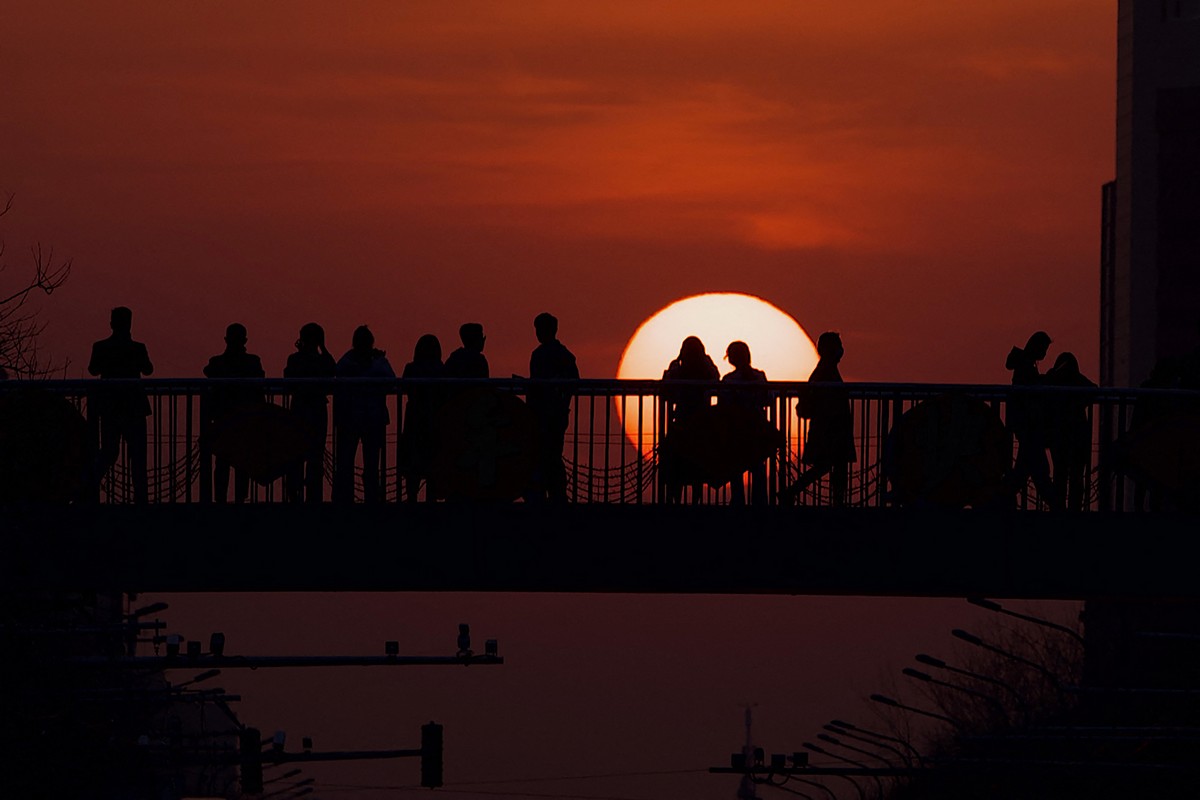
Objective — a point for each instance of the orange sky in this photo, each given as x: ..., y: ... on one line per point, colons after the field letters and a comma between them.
x: 923, y: 177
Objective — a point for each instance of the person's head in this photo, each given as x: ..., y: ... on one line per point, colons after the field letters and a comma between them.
x: 738, y: 354
x: 363, y: 340
x: 829, y: 346
x: 312, y: 337
x: 692, y: 349
x: 546, y: 327
x: 235, y: 335
x: 1037, y: 345
x: 428, y: 350
x: 1066, y: 362
x: 471, y: 334
x: 120, y: 320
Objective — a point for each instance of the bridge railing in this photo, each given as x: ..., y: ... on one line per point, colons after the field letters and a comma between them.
x: 913, y: 444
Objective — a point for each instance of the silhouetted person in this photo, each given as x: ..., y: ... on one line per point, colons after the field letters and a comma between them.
x: 743, y: 380
x: 421, y: 416
x: 683, y: 402
x: 1070, y: 432
x: 1027, y: 419
x: 225, y: 401
x: 360, y: 414
x: 829, y: 447
x: 551, y: 405
x: 692, y: 364
x: 311, y: 360
x: 122, y: 411
x: 468, y: 361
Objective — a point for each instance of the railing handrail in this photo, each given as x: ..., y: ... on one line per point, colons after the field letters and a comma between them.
x: 626, y: 386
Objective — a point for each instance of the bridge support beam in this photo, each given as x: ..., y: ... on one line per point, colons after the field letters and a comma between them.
x: 582, y: 548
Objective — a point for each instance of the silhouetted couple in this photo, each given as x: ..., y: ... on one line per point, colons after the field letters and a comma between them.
x: 702, y: 444
x: 1059, y: 424
x: 419, y: 440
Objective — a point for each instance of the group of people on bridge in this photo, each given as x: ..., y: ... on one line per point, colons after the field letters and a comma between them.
x: 360, y: 416
x: 1047, y: 428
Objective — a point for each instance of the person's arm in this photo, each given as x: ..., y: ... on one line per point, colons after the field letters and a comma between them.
x: 146, y: 367
x: 95, y: 363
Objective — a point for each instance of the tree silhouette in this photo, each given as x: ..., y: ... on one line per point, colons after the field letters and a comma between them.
x: 20, y: 324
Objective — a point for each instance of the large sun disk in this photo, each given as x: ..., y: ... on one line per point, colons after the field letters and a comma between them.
x: 778, y: 345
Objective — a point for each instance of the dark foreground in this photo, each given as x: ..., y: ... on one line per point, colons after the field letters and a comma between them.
x: 595, y: 548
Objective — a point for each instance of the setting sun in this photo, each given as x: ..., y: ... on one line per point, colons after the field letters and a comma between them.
x: 778, y: 345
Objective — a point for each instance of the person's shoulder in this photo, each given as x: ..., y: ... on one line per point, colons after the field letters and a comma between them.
x: 215, y: 365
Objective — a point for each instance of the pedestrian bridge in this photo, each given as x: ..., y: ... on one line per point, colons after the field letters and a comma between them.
x: 932, y: 506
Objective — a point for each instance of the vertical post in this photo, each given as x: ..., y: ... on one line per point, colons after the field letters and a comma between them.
x: 608, y: 402
x: 641, y: 400
x: 591, y: 447
x: 400, y: 409
x: 206, y: 463
x: 189, y: 473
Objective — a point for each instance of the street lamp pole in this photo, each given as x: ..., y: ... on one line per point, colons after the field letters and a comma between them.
x: 810, y: 746
x: 970, y: 638
x: 877, y: 735
x: 993, y: 606
x: 833, y: 728
x: 888, y: 701
x: 925, y: 677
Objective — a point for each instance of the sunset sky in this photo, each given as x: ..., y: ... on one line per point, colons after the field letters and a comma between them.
x: 923, y: 177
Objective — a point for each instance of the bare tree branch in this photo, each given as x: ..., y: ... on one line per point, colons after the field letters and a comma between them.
x: 20, y: 327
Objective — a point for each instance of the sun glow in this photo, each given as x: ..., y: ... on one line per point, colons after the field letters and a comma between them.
x: 778, y: 345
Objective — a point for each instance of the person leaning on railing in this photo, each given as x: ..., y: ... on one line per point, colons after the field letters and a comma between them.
x: 360, y: 414
x: 121, y: 412
x: 311, y: 406
x: 227, y: 401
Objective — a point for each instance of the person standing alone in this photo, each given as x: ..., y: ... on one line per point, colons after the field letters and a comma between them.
x: 551, y: 406
x: 122, y: 411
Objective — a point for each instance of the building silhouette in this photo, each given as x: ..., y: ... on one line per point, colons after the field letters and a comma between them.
x: 1150, y: 251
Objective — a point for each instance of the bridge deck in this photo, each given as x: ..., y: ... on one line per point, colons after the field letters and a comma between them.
x: 596, y: 548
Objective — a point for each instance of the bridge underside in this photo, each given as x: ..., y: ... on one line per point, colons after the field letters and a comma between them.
x: 582, y: 548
